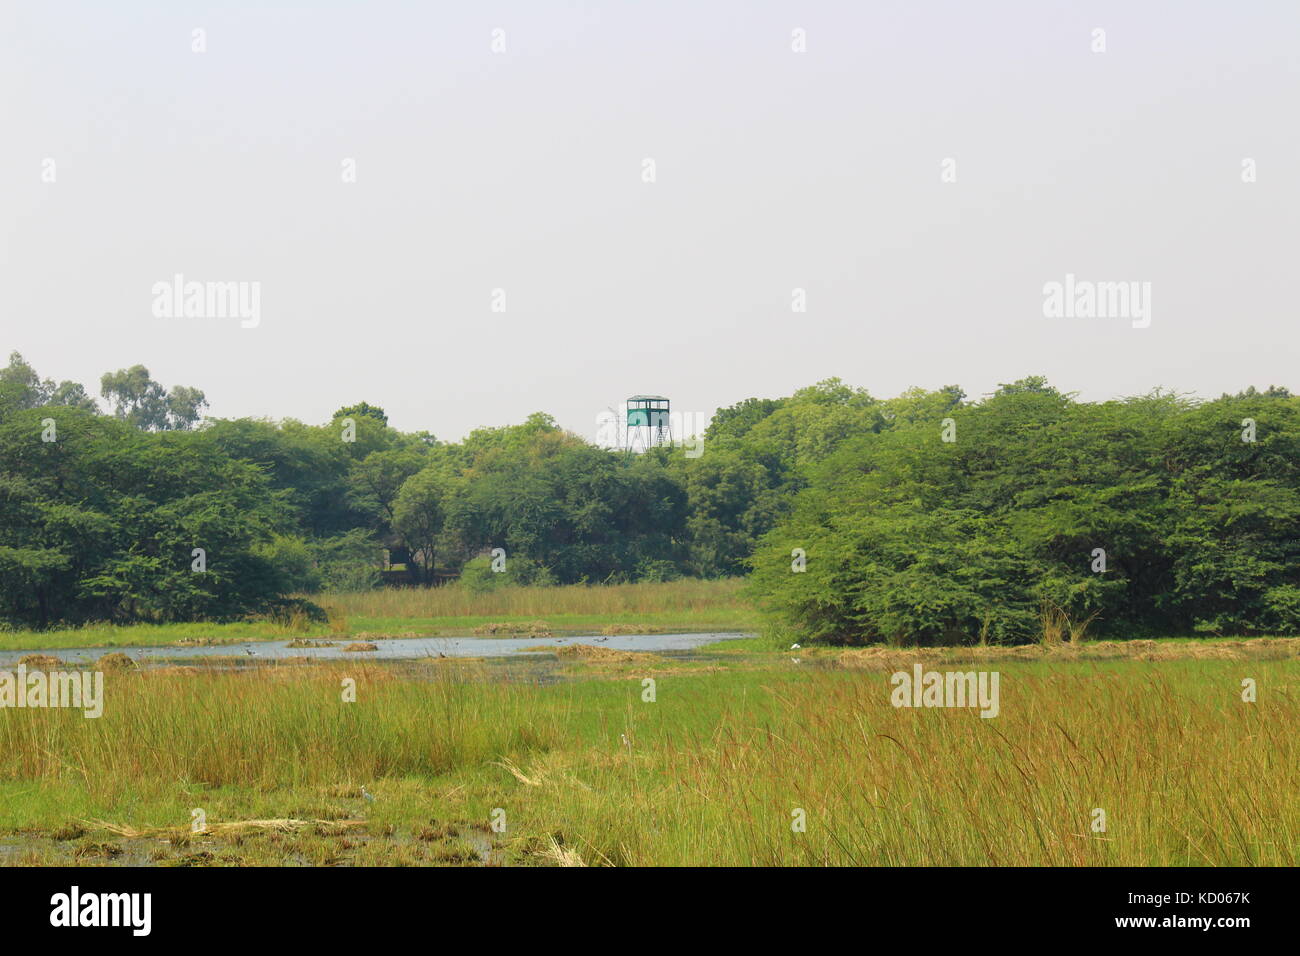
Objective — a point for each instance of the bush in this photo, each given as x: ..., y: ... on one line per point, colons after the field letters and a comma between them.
x: 295, y: 614
x: 657, y: 571
x: 294, y: 561
x: 348, y: 562
x: 477, y: 575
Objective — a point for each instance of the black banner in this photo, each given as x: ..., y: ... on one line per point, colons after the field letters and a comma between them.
x: 335, y: 906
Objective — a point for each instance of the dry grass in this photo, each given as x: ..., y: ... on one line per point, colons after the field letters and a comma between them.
x: 225, y: 827
x: 514, y: 629
x: 892, y: 658
x: 611, y: 630
x: 115, y: 661
x: 1058, y: 626
x: 605, y: 655
x: 561, y: 855
x: 39, y: 662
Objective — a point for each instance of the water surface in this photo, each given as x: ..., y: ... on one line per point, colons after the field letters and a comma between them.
x: 406, y: 648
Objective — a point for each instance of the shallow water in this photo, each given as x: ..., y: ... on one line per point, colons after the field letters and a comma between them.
x: 407, y: 648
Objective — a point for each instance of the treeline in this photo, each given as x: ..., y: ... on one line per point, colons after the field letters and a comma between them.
x: 1154, y: 515
x: 104, y: 516
x: 146, y: 514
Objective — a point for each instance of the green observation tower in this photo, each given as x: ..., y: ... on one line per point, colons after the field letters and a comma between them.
x: 651, y: 412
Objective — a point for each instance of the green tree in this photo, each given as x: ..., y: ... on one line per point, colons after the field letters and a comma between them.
x: 419, y: 515
x: 136, y: 398
x: 363, y: 408
x: 21, y: 387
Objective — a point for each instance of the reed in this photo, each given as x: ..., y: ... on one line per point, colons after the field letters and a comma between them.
x: 686, y: 596
x: 711, y: 772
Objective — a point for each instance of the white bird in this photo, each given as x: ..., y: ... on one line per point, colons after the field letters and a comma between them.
x: 794, y: 647
x: 626, y: 743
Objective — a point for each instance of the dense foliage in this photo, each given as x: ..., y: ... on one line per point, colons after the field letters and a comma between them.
x: 146, y: 514
x: 911, y: 538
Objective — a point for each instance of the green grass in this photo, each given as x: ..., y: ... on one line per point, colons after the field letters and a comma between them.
x: 677, y: 606
x: 709, y: 773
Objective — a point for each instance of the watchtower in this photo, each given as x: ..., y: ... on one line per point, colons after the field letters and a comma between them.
x: 649, y: 411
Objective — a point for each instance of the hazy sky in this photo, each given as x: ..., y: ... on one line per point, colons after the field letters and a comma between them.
x: 523, y: 171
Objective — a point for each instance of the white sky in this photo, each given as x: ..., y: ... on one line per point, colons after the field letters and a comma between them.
x: 523, y: 171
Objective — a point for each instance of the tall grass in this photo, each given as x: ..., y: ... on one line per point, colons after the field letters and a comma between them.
x: 613, y: 600
x: 1057, y: 625
x: 684, y: 605
x: 711, y: 772
x: 276, y: 727
x: 1186, y: 772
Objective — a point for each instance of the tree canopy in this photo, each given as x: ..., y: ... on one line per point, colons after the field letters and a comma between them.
x: 1150, y: 515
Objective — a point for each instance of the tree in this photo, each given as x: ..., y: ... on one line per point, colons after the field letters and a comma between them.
x: 138, y: 399
x: 363, y: 408
x: 419, y: 515
x: 103, y: 523
x: 737, y: 420
x: 26, y: 386
x: 72, y: 395
x: 21, y: 387
x: 375, y: 481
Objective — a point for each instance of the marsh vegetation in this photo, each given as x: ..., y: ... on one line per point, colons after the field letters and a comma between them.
x: 710, y: 772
